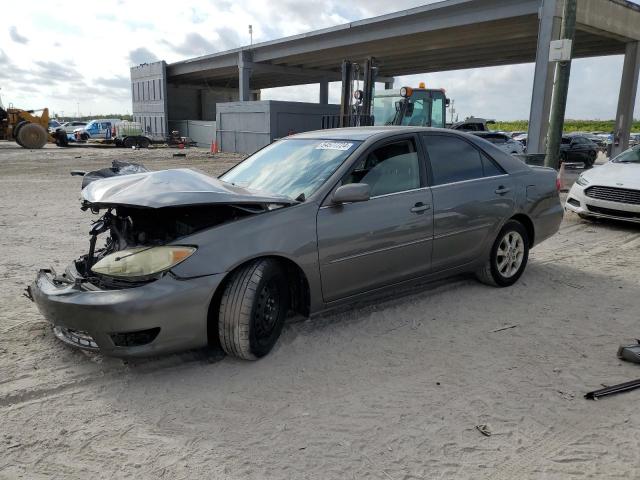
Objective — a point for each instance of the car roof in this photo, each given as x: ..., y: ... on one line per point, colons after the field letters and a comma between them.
x: 364, y: 133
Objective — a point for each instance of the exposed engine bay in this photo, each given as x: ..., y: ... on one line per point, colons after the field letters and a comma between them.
x: 127, y: 227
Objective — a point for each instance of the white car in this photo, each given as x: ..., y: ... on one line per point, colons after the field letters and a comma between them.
x: 609, y: 191
x: 70, y: 127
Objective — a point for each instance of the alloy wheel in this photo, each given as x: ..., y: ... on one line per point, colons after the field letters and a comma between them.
x: 510, y: 254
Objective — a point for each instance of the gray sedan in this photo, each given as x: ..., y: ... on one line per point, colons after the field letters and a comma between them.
x: 178, y: 259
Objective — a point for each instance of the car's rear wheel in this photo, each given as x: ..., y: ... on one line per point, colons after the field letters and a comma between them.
x: 253, y: 309
x: 508, y: 257
x: 143, y: 142
x: 129, y: 142
x: 563, y: 157
x: 591, y: 160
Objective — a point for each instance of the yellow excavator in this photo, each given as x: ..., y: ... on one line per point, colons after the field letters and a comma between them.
x: 25, y: 127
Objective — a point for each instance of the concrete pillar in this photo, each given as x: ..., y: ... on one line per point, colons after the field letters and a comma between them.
x: 324, y: 91
x: 244, y: 75
x: 627, y: 98
x: 548, y: 29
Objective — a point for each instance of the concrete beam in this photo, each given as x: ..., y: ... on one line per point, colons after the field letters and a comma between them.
x: 610, y: 18
x: 287, y: 70
x: 549, y: 29
x: 244, y: 75
x: 435, y: 16
x: 627, y: 97
x: 324, y: 92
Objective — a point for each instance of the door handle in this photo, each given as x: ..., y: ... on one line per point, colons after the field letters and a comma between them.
x: 420, y: 207
x: 502, y: 190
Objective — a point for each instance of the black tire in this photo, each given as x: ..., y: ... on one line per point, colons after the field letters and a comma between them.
x: 491, y: 272
x: 61, y: 138
x: 143, y: 142
x: 129, y: 142
x: 253, y: 309
x: 563, y: 157
x: 84, y: 136
x: 16, y: 131
x: 32, y: 136
x: 591, y: 160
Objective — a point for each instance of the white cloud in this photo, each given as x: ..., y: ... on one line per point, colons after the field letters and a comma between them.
x: 59, y: 57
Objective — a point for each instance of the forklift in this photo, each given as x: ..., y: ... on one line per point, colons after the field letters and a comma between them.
x: 424, y: 107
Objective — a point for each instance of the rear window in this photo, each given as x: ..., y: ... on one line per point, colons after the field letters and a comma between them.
x: 452, y: 159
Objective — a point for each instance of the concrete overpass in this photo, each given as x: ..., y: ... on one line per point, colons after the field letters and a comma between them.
x: 449, y: 35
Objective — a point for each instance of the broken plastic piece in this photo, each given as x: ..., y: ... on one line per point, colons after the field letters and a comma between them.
x: 630, y: 353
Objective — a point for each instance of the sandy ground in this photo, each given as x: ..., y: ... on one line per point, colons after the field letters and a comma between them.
x: 391, y: 390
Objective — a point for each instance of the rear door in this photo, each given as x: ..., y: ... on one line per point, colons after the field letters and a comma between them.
x: 387, y: 239
x: 472, y: 196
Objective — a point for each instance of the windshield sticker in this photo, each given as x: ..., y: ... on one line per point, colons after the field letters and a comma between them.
x: 334, y: 146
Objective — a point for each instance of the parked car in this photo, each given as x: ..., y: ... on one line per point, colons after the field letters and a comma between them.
x: 310, y: 222
x: 99, y: 128
x: 53, y: 125
x: 522, y: 139
x: 577, y: 148
x: 502, y: 141
x: 71, y: 126
x: 473, y: 124
x: 611, y: 190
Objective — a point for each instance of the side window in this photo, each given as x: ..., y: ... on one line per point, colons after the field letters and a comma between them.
x: 452, y: 159
x: 437, y: 119
x: 391, y: 168
x: 489, y: 168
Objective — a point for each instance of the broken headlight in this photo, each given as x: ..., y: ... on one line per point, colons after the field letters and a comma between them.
x: 142, y: 261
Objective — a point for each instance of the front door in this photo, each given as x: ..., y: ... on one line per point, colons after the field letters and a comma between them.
x: 387, y: 239
x: 472, y: 196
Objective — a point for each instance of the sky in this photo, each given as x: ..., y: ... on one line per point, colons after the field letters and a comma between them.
x: 75, y: 57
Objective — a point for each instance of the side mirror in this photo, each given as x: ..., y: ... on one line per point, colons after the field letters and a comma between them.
x: 352, y: 192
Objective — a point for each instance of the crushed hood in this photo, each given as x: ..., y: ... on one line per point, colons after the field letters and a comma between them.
x: 171, y: 188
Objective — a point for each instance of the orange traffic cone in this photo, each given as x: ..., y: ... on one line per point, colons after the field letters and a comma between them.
x: 214, y: 147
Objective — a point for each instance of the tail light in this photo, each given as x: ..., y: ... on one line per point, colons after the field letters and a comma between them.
x: 558, y: 183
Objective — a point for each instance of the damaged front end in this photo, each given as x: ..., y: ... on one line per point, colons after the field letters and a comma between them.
x: 121, y: 297
x: 145, y: 213
x: 131, y: 246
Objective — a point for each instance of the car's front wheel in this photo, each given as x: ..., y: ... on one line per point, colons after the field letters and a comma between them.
x: 253, y: 309
x: 508, y: 257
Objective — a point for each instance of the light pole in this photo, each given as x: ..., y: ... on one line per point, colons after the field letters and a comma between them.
x: 251, y: 35
x: 561, y: 87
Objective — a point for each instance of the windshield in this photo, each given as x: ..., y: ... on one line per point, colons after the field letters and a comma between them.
x: 384, y: 109
x: 293, y: 167
x: 628, y: 156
